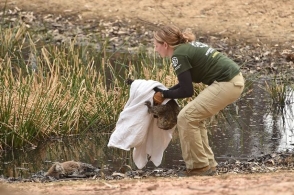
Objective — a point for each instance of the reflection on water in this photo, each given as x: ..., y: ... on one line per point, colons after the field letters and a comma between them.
x: 257, y: 129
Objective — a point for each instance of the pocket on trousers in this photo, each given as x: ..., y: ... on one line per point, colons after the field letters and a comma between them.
x: 239, y: 84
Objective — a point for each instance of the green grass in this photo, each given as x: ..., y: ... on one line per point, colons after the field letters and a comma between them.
x: 280, y: 91
x: 49, y: 90
x: 59, y: 90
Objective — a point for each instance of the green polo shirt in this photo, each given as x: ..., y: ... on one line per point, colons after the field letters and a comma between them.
x: 205, y: 63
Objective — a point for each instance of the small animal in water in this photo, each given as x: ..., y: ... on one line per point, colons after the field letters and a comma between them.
x: 166, y: 114
x: 67, y: 168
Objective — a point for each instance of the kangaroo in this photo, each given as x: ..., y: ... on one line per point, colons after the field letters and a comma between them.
x: 166, y: 114
x: 64, y: 169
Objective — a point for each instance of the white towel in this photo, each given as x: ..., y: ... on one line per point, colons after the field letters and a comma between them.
x: 137, y: 129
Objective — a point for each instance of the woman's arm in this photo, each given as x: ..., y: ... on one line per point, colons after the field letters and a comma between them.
x: 175, y: 87
x: 183, y: 89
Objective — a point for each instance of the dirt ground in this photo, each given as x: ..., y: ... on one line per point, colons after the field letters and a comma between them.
x: 269, y: 21
x: 230, y: 184
x: 262, y: 20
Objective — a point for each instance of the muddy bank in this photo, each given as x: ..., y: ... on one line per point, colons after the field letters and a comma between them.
x: 72, y: 171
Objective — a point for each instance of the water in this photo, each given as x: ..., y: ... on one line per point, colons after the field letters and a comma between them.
x: 260, y: 129
x: 252, y: 127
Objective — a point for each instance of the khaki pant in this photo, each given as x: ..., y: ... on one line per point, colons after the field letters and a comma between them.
x: 196, y: 151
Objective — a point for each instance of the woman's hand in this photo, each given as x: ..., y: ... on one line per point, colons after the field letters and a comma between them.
x: 158, y: 96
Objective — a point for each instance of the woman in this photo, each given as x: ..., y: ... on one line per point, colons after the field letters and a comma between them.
x: 196, y: 62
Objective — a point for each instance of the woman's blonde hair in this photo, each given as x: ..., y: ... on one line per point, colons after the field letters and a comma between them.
x: 173, y: 36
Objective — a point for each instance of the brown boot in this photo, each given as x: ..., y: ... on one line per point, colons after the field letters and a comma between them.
x: 205, y: 171
x: 213, y: 170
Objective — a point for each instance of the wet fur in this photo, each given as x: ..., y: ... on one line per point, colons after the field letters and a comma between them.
x: 166, y: 114
x: 58, y: 170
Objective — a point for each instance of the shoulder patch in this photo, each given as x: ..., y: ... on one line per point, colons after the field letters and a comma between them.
x: 175, y: 61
